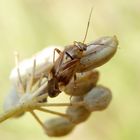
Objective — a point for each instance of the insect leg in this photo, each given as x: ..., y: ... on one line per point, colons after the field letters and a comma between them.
x: 77, y: 45
x: 75, y: 77
x: 56, y: 50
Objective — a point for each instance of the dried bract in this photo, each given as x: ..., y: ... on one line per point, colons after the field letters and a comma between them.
x: 44, y: 62
x: 11, y: 100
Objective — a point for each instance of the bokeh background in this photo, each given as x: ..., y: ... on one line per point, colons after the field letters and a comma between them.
x: 28, y: 26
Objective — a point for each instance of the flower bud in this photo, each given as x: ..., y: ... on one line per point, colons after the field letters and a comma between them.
x: 98, y: 53
x: 57, y: 127
x: 97, y: 99
x: 76, y: 99
x: 77, y: 114
x: 83, y: 84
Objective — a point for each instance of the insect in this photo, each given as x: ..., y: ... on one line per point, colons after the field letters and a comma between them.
x: 98, y: 53
x: 64, y: 67
x: 79, y: 57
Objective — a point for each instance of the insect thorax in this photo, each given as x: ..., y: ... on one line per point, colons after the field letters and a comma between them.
x: 75, y: 50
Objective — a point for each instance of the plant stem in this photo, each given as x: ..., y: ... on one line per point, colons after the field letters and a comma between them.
x: 31, y: 79
x: 54, y: 104
x: 37, y: 92
x: 80, y: 103
x: 37, y: 119
x: 40, y: 97
x: 13, y: 111
x: 53, y: 112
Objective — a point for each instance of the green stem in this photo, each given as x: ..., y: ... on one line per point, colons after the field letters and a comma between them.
x: 13, y: 111
x: 80, y: 103
x: 37, y: 119
x: 53, y: 112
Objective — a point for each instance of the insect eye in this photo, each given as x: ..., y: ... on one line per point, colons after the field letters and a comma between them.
x: 82, y: 47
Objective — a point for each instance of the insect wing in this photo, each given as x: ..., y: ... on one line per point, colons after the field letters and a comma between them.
x: 57, y: 65
x: 53, y: 88
x: 67, y: 71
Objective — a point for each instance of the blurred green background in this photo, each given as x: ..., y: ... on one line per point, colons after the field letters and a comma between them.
x: 28, y: 26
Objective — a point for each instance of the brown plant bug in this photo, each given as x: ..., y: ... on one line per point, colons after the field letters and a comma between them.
x: 64, y: 69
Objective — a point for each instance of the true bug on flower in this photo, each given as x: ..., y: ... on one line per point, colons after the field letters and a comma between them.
x: 79, y: 57
x: 64, y: 67
x: 31, y: 88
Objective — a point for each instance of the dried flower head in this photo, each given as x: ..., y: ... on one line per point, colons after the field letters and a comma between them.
x: 30, y: 87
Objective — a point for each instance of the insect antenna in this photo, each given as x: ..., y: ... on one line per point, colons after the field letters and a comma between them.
x: 88, y: 25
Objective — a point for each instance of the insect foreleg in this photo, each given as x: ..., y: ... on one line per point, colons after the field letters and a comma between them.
x: 58, y: 51
x: 75, y: 77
